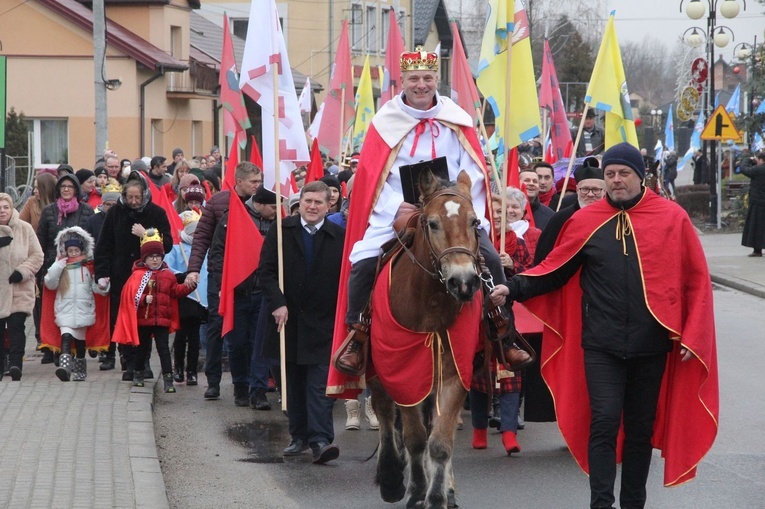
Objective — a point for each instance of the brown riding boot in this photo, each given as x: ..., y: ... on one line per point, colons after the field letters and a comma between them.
x: 517, y: 358
x: 351, y: 358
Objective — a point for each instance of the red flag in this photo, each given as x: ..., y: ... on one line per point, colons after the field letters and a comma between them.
x: 235, y: 118
x: 395, y: 46
x: 229, y: 178
x: 240, y: 259
x: 340, y: 100
x: 293, y: 184
x: 464, y: 91
x: 159, y: 197
x: 344, y: 188
x: 513, y: 176
x: 316, y: 166
x: 255, y: 157
x: 551, y: 100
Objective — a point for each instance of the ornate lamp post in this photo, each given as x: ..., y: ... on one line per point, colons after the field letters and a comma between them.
x: 696, y: 9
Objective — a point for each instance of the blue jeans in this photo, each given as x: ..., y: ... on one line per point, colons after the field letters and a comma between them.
x: 628, y: 390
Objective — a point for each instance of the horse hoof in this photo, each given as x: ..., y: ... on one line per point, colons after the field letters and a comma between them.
x: 392, y: 494
x: 451, y: 499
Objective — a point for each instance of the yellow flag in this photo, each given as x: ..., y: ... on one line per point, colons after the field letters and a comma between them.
x: 608, y: 90
x: 365, y: 106
x: 506, y: 16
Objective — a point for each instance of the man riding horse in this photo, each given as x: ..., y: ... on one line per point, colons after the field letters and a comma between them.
x: 416, y: 125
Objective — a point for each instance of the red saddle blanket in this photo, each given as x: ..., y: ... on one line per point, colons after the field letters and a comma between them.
x: 404, y: 359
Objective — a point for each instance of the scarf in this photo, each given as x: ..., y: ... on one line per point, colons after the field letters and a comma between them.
x: 66, y: 207
x: 520, y: 227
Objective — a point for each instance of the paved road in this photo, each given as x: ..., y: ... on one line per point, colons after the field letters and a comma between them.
x: 213, y: 453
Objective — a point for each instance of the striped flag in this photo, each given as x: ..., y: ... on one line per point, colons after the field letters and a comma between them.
x: 551, y: 100
x: 235, y: 118
x: 339, y: 102
x: 391, y: 81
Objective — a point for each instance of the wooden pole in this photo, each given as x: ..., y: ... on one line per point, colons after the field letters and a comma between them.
x: 342, y: 126
x: 506, y: 113
x: 573, y: 154
x: 482, y: 130
x: 279, y: 252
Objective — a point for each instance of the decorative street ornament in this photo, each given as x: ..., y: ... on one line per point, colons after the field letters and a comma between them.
x: 699, y: 71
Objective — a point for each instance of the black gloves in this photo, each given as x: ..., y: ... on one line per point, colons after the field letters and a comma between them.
x: 4, y: 241
x: 16, y: 277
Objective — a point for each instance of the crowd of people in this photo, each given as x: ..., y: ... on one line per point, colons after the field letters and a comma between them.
x: 91, y: 256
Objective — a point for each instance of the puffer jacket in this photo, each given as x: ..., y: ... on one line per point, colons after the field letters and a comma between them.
x: 165, y: 294
x: 48, y: 229
x: 76, y: 307
x: 24, y: 255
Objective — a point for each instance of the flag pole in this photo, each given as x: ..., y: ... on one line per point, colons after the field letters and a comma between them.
x: 342, y: 124
x: 505, y: 138
x: 573, y: 154
x: 279, y: 252
x: 482, y: 130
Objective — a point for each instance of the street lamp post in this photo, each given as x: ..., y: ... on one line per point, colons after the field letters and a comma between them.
x: 696, y: 9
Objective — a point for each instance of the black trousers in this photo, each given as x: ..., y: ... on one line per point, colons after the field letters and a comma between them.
x: 619, y: 389
x: 143, y: 352
x: 214, y: 345
x: 308, y: 407
x: 187, y: 335
x: 362, y: 277
x: 16, y: 338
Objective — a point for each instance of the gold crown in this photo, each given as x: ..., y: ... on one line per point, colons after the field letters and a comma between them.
x: 419, y: 60
x: 151, y: 235
x: 112, y: 187
x: 190, y: 216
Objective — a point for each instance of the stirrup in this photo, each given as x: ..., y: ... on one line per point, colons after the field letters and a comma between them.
x: 351, y: 357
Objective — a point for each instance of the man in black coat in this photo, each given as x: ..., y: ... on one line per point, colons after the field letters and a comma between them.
x: 119, y: 246
x: 313, y: 251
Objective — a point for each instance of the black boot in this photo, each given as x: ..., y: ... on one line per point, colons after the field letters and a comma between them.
x: 47, y: 357
x: 148, y: 374
x: 64, y: 370
x: 127, y: 376
x: 241, y: 394
x: 213, y: 390
x: 258, y: 400
x: 168, y: 379
x: 191, y: 378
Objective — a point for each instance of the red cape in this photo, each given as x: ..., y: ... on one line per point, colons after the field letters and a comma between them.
x: 678, y: 292
x: 96, y: 337
x: 126, y: 328
x: 374, y: 165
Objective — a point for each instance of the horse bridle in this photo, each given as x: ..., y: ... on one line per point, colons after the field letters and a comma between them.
x: 436, y: 258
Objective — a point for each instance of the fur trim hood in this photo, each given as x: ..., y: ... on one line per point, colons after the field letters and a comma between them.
x: 74, y: 232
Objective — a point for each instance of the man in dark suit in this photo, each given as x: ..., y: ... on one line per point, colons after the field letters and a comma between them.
x: 312, y: 250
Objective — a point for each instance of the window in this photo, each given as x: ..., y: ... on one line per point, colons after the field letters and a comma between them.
x: 384, y: 28
x: 402, y: 24
x: 357, y: 27
x: 176, y: 42
x: 50, y: 141
x: 372, y: 29
x: 239, y: 27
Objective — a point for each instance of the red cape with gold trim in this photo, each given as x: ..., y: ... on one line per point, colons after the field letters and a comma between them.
x: 97, y: 337
x: 126, y: 328
x: 678, y: 292
x: 375, y: 163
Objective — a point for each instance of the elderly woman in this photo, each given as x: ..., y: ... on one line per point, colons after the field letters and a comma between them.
x: 20, y: 259
x: 516, y: 207
x: 119, y: 247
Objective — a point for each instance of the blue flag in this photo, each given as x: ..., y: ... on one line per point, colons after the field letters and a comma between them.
x: 669, y: 131
x: 734, y: 102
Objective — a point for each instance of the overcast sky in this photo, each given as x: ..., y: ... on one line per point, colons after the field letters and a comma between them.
x: 663, y: 20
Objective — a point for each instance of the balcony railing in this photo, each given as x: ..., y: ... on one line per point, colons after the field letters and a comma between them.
x: 199, y: 79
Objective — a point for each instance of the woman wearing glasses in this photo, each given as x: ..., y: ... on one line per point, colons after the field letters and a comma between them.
x: 66, y: 211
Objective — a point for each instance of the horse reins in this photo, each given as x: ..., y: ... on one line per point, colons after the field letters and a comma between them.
x: 436, y: 258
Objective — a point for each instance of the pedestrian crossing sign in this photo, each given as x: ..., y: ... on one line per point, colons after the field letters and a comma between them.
x: 720, y: 127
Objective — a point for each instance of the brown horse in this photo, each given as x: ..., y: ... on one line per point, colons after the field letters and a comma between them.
x: 431, y: 283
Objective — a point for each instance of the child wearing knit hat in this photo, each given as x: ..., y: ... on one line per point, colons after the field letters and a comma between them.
x: 149, y: 308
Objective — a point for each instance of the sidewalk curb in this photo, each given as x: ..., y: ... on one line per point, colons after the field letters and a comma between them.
x: 148, y: 482
x: 739, y: 284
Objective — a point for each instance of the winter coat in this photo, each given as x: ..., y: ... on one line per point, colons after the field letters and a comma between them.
x: 48, y: 228
x: 24, y: 255
x: 117, y: 248
x: 165, y: 293
x: 310, y: 295
x: 203, y: 236
x: 177, y: 262
x: 76, y: 307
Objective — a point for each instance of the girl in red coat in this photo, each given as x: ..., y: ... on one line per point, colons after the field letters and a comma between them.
x: 149, y: 307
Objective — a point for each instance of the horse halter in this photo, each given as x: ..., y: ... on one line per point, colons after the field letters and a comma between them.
x: 436, y: 258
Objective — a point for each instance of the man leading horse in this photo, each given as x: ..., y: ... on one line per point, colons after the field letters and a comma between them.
x: 416, y: 125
